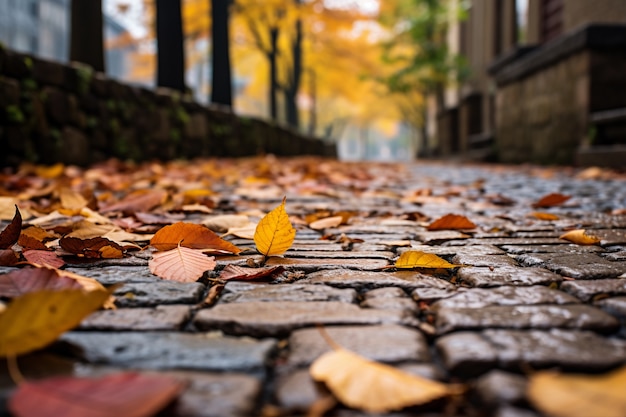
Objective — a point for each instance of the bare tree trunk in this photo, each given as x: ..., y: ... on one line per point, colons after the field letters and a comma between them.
x: 170, y: 45
x: 273, y: 87
x: 221, y: 83
x: 86, y: 39
x: 291, y: 92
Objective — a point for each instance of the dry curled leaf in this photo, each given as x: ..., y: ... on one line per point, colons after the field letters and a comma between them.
x: 551, y: 200
x: 35, y: 319
x: 127, y: 394
x: 22, y: 281
x: 370, y: 386
x: 181, y: 264
x: 11, y: 233
x: 418, y: 259
x: 451, y: 222
x: 8, y: 257
x: 234, y: 272
x: 142, y: 200
x: 580, y: 237
x: 274, y: 234
x: 562, y: 395
x: 97, y: 247
x: 190, y: 235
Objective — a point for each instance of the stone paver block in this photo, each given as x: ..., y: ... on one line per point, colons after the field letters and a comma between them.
x: 369, y: 279
x: 578, y: 266
x: 440, y: 236
x: 616, y: 256
x: 509, y: 411
x: 610, y: 237
x: 494, y: 277
x: 501, y: 241
x: 484, y: 260
x: 504, y: 296
x: 240, y: 292
x: 164, y: 317
x: 615, y: 306
x: 389, y: 298
x: 586, y: 290
x: 469, y: 353
x: 216, y: 394
x: 117, y: 274
x: 331, y: 263
x: 161, y: 292
x: 433, y: 294
x: 168, y: 350
x: 498, y: 387
x: 575, y: 316
x: 281, y: 317
x: 373, y: 342
x: 520, y: 249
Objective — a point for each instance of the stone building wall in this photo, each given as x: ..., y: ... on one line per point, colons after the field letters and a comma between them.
x: 51, y: 112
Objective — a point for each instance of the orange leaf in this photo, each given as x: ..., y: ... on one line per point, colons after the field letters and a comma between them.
x: 580, y: 237
x: 550, y: 200
x: 190, y: 235
x: 418, y: 259
x: 181, y: 264
x: 274, y: 234
x: 11, y: 233
x: 544, y: 216
x: 126, y: 394
x: 234, y: 272
x: 451, y: 222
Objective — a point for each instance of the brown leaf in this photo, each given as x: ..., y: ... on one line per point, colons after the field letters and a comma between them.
x: 190, y: 235
x: 234, y: 272
x: 8, y: 257
x: 97, y: 247
x: 142, y: 200
x: 22, y: 281
x: 127, y: 394
x: 451, y: 222
x: 27, y: 242
x: 551, y: 200
x: 181, y: 264
x: 11, y: 233
x: 72, y: 200
x: 43, y: 257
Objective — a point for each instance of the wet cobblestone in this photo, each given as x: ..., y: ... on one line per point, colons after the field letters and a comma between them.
x: 522, y: 299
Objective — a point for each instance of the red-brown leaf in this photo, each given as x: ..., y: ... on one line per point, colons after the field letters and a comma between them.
x: 190, y: 235
x: 550, y: 200
x: 97, y: 247
x: 451, y: 222
x: 43, y: 257
x: 11, y: 233
x: 22, y: 281
x: 125, y: 394
x: 8, y: 257
x: 234, y: 272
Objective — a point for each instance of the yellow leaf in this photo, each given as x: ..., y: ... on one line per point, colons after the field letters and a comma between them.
x: 562, y: 395
x: 418, y: 259
x: 274, y: 234
x: 580, y: 237
x: 181, y: 264
x: 36, y: 319
x: 370, y: 386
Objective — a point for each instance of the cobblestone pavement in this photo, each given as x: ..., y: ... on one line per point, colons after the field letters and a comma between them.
x: 524, y: 300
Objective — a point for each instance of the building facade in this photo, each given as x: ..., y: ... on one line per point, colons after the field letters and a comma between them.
x: 547, y: 84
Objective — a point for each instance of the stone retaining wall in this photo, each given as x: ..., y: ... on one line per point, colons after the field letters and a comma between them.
x: 52, y: 112
x: 544, y: 98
